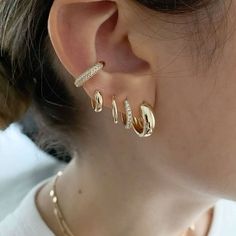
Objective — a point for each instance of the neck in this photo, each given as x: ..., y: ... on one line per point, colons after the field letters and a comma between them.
x: 110, y: 191
x: 105, y: 198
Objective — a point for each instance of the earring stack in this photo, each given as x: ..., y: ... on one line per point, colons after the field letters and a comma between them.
x: 143, y: 126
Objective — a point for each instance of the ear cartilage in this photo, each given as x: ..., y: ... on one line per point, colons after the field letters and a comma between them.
x: 89, y: 73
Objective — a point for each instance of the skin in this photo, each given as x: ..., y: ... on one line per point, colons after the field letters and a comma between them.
x: 118, y: 183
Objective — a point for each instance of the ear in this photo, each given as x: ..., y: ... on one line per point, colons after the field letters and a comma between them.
x: 84, y: 32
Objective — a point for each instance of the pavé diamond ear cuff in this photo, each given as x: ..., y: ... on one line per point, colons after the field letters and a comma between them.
x: 89, y: 73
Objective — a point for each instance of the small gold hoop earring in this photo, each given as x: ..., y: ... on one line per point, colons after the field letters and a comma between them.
x: 127, y: 118
x: 89, y: 73
x: 114, y: 110
x: 97, y: 102
x: 145, y: 126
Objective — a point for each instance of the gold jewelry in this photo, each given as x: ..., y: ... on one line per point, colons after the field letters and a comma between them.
x: 57, y: 211
x: 97, y: 102
x: 127, y: 118
x: 89, y: 73
x: 145, y: 126
x: 114, y: 110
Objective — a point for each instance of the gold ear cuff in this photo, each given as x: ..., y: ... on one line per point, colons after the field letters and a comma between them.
x: 143, y: 126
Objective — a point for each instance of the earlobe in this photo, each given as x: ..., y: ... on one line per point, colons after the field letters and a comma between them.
x: 84, y: 32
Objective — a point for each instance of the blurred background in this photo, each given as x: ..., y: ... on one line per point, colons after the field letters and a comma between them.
x: 27, y: 156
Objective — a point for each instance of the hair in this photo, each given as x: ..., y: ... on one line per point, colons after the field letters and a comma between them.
x: 26, y: 74
x: 27, y: 77
x: 175, y: 6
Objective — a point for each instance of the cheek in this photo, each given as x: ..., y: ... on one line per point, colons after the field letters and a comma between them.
x: 197, y: 128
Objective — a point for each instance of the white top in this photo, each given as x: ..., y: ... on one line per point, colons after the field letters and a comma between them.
x: 25, y: 220
x: 22, y: 166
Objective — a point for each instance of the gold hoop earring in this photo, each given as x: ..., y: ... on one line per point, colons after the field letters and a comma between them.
x: 114, y: 110
x: 97, y: 102
x: 89, y: 73
x: 127, y: 118
x: 145, y: 126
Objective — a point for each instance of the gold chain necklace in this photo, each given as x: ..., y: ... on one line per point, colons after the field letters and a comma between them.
x: 61, y: 219
x: 57, y: 211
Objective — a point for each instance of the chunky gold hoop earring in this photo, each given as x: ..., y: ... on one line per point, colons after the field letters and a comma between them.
x: 127, y: 118
x: 114, y: 110
x: 97, y: 102
x: 145, y: 126
x: 89, y: 73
